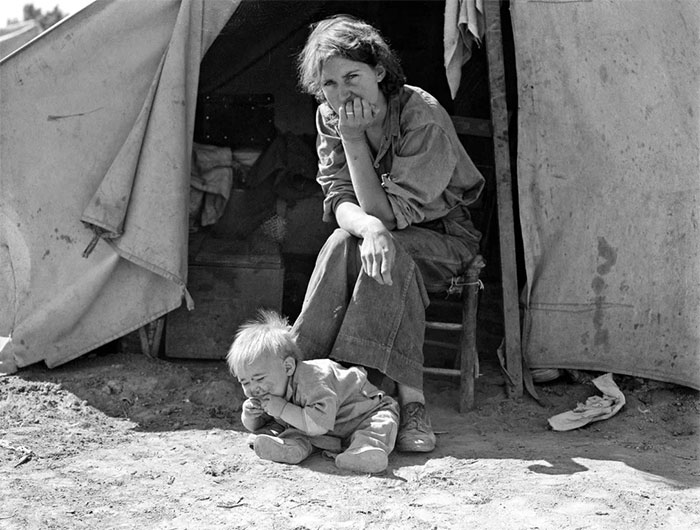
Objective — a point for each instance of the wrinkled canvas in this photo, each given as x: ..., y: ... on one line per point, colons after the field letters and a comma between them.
x: 96, y: 121
x: 609, y: 185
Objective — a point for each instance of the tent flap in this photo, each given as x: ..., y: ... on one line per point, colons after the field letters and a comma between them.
x: 107, y: 209
x: 108, y: 99
x: 608, y: 165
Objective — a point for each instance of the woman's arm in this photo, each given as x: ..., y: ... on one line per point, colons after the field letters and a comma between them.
x: 377, y: 249
x: 368, y: 189
x: 373, y: 218
x: 355, y: 119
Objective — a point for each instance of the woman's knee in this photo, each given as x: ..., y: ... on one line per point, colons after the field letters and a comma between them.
x: 340, y: 236
x: 340, y: 241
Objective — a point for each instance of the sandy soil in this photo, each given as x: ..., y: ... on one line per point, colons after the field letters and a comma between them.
x: 119, y: 440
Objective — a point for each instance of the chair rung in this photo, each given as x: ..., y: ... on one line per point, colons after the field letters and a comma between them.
x: 445, y: 326
x: 441, y: 371
x: 441, y: 344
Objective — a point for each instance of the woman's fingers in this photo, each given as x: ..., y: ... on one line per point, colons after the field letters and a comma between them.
x: 349, y: 109
x: 357, y: 109
x: 379, y: 268
x: 366, y: 109
x: 386, y: 266
x: 368, y: 266
x: 378, y: 259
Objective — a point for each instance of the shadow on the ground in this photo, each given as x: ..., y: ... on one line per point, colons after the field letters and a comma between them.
x: 656, y: 432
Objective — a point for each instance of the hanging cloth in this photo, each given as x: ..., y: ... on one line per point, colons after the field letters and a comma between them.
x: 464, y: 26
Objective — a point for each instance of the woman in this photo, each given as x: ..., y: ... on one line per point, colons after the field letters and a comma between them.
x: 397, y: 181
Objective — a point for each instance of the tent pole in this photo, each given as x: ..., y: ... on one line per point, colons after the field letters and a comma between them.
x: 504, y: 194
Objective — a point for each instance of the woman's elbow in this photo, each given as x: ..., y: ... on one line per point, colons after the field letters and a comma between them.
x: 390, y: 224
x: 387, y: 218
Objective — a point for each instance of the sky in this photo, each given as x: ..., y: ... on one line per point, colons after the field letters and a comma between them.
x: 10, y: 9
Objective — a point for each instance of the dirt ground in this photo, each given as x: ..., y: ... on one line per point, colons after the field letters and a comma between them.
x: 120, y: 440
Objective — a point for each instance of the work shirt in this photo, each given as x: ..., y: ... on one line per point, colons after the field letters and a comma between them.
x: 334, y: 399
x: 421, y: 163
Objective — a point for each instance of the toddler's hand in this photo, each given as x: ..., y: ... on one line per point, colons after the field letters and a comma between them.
x: 252, y: 407
x: 273, y: 405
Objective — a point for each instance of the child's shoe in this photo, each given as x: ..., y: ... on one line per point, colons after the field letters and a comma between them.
x: 284, y: 450
x: 272, y: 428
x: 363, y: 460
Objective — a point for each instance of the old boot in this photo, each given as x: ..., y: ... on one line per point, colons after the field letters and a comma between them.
x: 415, y: 433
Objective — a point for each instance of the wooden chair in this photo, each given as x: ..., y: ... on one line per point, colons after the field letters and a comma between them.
x: 466, y: 364
x: 463, y: 293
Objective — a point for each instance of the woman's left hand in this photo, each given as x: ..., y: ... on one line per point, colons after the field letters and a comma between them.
x: 378, y: 252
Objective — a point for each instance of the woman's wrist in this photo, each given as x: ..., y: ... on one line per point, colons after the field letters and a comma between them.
x: 372, y: 225
x: 353, y: 140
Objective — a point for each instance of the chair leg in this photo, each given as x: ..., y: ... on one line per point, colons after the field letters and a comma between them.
x: 469, y: 357
x: 151, y: 335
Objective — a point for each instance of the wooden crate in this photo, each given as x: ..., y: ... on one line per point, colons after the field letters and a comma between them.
x: 229, y: 281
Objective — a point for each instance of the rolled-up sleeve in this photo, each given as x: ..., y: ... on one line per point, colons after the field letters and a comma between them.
x: 333, y: 172
x: 422, y: 168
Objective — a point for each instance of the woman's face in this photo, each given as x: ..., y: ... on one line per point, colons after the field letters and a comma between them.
x: 343, y: 80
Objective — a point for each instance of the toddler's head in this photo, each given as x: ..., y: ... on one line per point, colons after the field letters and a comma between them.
x: 264, y: 355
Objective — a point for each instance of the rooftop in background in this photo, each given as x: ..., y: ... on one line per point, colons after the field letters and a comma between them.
x: 13, y: 10
x: 14, y: 36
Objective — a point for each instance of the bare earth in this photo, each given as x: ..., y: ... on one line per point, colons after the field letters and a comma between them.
x: 120, y: 440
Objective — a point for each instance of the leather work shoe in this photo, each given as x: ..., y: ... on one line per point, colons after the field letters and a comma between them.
x: 415, y: 433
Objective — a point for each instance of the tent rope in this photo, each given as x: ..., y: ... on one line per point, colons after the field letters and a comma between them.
x: 93, y: 242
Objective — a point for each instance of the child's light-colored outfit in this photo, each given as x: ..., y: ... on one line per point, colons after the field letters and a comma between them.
x: 343, y: 411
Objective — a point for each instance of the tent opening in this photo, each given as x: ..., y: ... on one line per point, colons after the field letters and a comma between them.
x: 255, y: 208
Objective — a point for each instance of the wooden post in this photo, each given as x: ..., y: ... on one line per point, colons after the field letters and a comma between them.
x: 504, y: 190
x: 468, y: 354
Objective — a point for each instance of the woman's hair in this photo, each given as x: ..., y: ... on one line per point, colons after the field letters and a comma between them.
x: 350, y: 38
x: 268, y: 334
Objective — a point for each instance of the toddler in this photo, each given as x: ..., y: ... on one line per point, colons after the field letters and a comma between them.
x: 318, y: 401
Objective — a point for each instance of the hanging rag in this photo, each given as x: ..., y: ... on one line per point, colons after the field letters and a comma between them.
x: 464, y: 26
x: 212, y: 175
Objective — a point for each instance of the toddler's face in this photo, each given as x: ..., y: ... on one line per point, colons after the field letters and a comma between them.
x: 267, y: 375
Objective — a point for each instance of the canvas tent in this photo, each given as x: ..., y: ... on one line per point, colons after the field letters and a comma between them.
x: 96, y: 127
x: 609, y: 181
x: 96, y: 135
x: 97, y: 120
